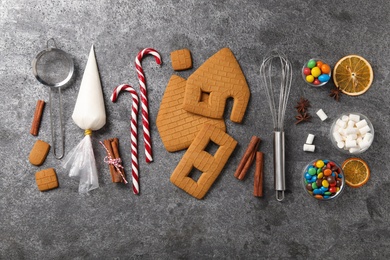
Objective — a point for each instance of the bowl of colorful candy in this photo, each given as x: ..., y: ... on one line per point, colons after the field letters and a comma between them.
x: 352, y: 133
x: 316, y: 72
x: 323, y: 179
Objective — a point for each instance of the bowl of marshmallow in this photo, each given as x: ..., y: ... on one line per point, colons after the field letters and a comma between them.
x: 352, y: 133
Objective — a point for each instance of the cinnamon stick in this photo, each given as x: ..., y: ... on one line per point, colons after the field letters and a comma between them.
x: 258, y: 180
x: 247, y: 158
x: 37, y: 117
x: 112, y: 147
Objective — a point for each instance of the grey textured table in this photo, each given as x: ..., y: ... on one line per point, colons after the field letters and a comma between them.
x: 164, y: 222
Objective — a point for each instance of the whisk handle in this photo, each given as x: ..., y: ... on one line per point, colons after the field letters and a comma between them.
x: 279, y: 165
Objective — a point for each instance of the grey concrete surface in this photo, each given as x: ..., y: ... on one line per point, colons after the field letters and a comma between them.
x: 164, y: 222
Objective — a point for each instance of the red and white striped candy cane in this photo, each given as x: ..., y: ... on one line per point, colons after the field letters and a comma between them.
x: 144, y: 98
x: 134, y: 113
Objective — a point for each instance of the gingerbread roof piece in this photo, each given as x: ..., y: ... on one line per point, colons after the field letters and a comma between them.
x: 176, y: 126
x: 220, y: 77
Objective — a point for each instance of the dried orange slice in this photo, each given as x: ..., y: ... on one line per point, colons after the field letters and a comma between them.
x: 356, y: 172
x: 353, y: 75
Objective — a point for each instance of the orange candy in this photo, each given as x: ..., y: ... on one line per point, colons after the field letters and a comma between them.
x: 327, y: 172
x: 319, y: 63
x: 325, y: 68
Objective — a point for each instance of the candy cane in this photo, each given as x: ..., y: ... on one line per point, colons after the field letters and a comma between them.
x: 144, y: 98
x: 134, y: 112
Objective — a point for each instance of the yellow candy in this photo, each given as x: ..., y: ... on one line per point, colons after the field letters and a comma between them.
x: 315, y: 72
x: 325, y: 183
x: 320, y: 164
x: 320, y: 175
x: 309, y: 78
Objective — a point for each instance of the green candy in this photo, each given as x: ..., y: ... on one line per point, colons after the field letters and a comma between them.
x: 314, y: 186
x: 328, y: 193
x: 311, y: 64
x: 312, y: 171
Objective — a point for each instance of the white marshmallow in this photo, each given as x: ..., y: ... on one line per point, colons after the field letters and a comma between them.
x: 364, y: 145
x: 341, y: 123
x: 359, y: 140
x: 367, y: 137
x: 364, y: 130
x: 309, y: 147
x: 351, y: 123
x: 321, y: 114
x: 361, y: 123
x: 352, y: 137
x: 345, y: 118
x: 354, y: 117
x: 354, y: 149
x: 350, y: 144
x: 310, y: 139
x: 351, y: 130
x: 337, y: 137
x: 340, y: 144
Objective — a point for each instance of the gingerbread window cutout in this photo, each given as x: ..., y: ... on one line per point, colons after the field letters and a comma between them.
x: 221, y: 78
x: 177, y: 127
x: 210, y: 165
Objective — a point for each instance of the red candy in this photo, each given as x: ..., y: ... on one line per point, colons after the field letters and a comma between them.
x: 306, y: 71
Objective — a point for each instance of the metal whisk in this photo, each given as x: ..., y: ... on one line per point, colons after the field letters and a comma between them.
x: 276, y: 76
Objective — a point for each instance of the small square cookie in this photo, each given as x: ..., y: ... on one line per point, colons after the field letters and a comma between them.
x: 181, y: 59
x: 46, y: 179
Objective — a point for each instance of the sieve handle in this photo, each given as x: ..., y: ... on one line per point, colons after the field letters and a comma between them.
x: 279, y: 165
x: 62, y: 133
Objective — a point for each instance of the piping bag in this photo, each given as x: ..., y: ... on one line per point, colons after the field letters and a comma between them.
x: 90, y: 115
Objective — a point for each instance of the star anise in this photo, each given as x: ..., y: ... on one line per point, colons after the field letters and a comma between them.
x: 302, y: 105
x: 302, y: 117
x: 335, y: 93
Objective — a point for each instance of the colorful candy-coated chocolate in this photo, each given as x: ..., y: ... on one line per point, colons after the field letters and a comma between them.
x: 323, y: 188
x: 324, y: 77
x: 306, y: 71
x: 310, y: 78
x: 311, y: 64
x: 325, y: 183
x: 327, y: 172
x: 325, y: 68
x: 322, y: 180
x: 316, y: 72
x: 312, y: 171
x: 320, y: 164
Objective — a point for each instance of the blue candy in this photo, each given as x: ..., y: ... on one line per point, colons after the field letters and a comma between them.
x: 313, y: 178
x: 307, y: 176
x: 324, y: 188
x: 324, y: 78
x: 318, y: 192
x: 326, y: 197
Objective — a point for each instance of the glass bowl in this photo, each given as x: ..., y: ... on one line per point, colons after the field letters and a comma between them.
x: 352, y: 133
x: 306, y: 66
x: 323, y: 179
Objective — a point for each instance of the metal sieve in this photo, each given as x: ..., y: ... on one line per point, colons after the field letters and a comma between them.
x: 54, y: 68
